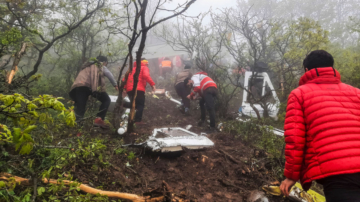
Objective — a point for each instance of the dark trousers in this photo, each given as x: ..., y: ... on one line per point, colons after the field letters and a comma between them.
x: 139, y: 104
x: 183, y: 91
x: 342, y: 188
x: 164, y: 71
x: 208, y: 98
x: 80, y: 96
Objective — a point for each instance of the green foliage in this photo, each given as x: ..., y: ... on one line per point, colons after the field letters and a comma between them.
x: 292, y: 41
x: 119, y: 151
x: 347, y: 62
x: 8, y: 39
x: 131, y: 156
x: 26, y: 114
x: 256, y: 134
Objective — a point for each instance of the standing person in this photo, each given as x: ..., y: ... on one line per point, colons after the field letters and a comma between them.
x: 166, y: 67
x: 322, y: 132
x: 182, y: 90
x: 91, y: 81
x: 144, y: 78
x: 206, y: 88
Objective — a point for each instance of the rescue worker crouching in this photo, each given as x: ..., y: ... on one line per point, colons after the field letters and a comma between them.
x: 207, y: 89
x: 182, y: 90
x: 91, y: 81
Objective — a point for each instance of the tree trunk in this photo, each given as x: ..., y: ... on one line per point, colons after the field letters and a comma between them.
x: 17, y: 59
x: 136, y: 77
x: 138, y: 64
x: 256, y: 110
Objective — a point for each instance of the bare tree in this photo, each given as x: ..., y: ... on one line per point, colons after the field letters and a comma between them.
x: 248, y: 44
x: 206, y: 46
x: 138, y: 25
x: 59, y: 28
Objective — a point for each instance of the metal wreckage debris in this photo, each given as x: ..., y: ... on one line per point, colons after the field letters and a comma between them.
x: 174, y: 139
x: 297, y: 194
x: 168, y: 139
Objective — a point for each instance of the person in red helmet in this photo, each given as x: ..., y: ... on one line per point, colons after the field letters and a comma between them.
x: 144, y: 79
x: 322, y: 132
x: 206, y: 88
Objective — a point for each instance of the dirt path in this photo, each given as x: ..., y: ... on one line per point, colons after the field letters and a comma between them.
x: 227, y: 172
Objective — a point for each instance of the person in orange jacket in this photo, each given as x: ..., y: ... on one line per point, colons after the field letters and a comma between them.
x: 166, y: 67
x: 144, y: 79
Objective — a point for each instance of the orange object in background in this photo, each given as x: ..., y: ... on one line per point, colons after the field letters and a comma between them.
x: 12, y: 74
x: 166, y: 63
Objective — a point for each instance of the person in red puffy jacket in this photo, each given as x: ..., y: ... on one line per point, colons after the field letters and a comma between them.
x: 322, y: 132
x: 144, y: 78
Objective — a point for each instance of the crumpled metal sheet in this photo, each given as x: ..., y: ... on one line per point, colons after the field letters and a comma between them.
x: 297, y: 194
x: 174, y: 139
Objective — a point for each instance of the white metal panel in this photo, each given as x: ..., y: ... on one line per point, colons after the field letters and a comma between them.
x: 170, y: 143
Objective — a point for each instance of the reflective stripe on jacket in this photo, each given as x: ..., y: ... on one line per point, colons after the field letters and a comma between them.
x: 201, y: 83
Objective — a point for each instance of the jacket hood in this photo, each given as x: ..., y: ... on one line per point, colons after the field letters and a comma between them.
x: 204, y: 73
x: 323, y: 75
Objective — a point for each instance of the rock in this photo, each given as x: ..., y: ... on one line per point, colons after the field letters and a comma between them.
x: 228, y: 196
x: 208, y: 196
x: 257, y: 196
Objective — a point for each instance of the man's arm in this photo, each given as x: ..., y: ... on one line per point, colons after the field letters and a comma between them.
x: 195, y: 90
x: 110, y: 76
x: 294, y: 138
x: 294, y: 142
x: 147, y: 76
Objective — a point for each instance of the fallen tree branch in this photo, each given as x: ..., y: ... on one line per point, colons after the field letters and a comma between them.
x: 86, y: 188
x: 230, y: 184
x: 229, y: 156
x: 169, y: 191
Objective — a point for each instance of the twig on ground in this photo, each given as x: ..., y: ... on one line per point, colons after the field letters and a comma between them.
x: 131, y: 170
x: 229, y: 156
x: 35, y: 189
x: 157, y: 159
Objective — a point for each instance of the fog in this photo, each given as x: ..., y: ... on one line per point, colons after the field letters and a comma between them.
x: 230, y: 34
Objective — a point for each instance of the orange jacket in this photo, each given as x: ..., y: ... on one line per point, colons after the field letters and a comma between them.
x: 166, y: 64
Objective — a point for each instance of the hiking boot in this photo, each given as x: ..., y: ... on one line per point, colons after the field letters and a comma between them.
x: 211, y: 130
x: 187, y: 111
x: 100, y: 123
x: 182, y: 109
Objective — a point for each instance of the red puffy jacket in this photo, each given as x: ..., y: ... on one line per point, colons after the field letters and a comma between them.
x: 322, y: 128
x: 144, y: 78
